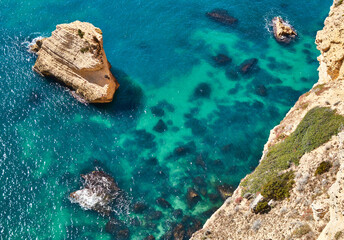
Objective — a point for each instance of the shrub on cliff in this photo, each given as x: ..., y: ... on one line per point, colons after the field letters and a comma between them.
x: 302, y: 230
x: 315, y: 129
x: 323, y: 167
x: 278, y: 187
x: 262, y: 207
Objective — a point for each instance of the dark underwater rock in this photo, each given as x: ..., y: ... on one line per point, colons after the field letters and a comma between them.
x: 227, y: 148
x: 203, y: 90
x: 160, y: 127
x: 139, y: 207
x: 192, y: 197
x: 183, y: 150
x: 232, y: 74
x: 221, y: 16
x: 117, y: 229
x: 222, y: 59
x: 144, y: 139
x: 213, y: 197
x: 200, y: 161
x: 199, y: 181
x: 178, y: 213
x: 178, y: 232
x: 150, y: 237
x: 154, y: 215
x: 157, y: 111
x: 261, y: 90
x: 197, y: 126
x: 209, y: 212
x: 99, y: 190
x: 162, y: 202
x: 225, y: 190
x: 248, y: 65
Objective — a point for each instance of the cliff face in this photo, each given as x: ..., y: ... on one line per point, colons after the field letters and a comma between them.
x: 315, y: 206
x: 74, y: 55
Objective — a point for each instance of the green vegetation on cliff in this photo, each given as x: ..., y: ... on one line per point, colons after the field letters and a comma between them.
x: 315, y: 129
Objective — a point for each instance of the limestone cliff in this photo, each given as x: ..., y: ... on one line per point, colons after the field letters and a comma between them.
x: 75, y: 56
x: 314, y: 208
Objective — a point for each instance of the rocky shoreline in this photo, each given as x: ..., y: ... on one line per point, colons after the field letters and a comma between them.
x: 313, y: 206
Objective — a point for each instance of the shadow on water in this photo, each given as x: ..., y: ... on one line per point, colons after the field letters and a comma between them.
x: 128, y: 99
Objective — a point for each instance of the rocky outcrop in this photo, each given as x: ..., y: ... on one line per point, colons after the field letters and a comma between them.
x: 315, y: 206
x: 283, y: 31
x: 330, y: 42
x: 74, y: 55
x: 99, y: 190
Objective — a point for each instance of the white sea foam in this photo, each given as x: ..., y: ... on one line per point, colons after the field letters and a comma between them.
x: 28, y: 43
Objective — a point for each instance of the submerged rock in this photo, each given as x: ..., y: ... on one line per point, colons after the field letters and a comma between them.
x: 222, y: 59
x: 222, y: 16
x: 117, y: 229
x: 75, y: 56
x: 225, y: 190
x: 99, y: 190
x: 203, y: 90
x: 283, y: 31
x: 261, y: 90
x: 150, y: 237
x: 178, y: 213
x: 183, y: 150
x: 160, y: 127
x: 192, y: 197
x: 139, y: 207
x: 154, y: 215
x: 163, y: 203
x: 248, y: 65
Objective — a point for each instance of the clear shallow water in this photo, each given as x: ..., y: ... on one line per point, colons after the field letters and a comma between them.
x: 160, y: 51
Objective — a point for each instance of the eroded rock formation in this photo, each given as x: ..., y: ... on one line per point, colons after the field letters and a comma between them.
x: 283, y: 31
x: 74, y: 55
x: 314, y: 207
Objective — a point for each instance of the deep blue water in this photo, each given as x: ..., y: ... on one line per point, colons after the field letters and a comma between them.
x: 161, y: 53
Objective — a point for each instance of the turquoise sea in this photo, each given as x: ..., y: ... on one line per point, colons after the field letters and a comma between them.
x: 213, y: 120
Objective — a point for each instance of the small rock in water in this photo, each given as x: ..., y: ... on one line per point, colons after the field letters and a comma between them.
x: 222, y: 59
x: 202, y: 90
x: 160, y: 127
x: 117, y: 229
x: 283, y: 31
x: 99, y: 190
x: 222, y: 16
x: 248, y: 65
x: 192, y: 197
x: 163, y: 202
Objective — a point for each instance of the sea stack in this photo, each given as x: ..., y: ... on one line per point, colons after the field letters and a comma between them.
x: 283, y: 31
x: 74, y: 55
